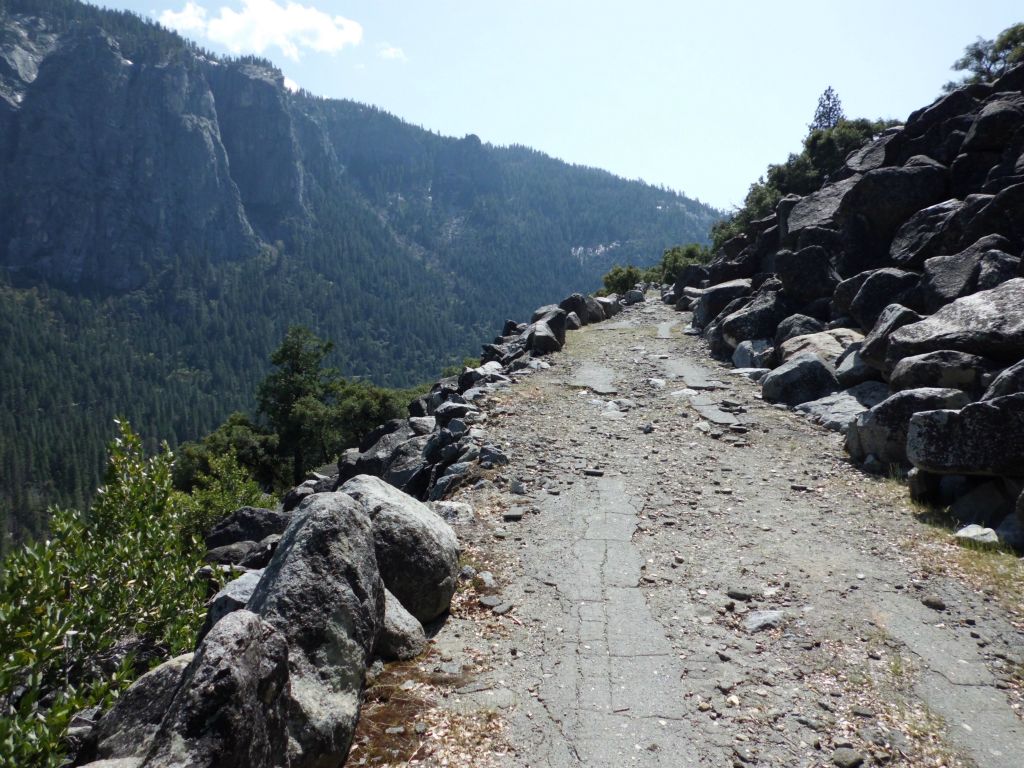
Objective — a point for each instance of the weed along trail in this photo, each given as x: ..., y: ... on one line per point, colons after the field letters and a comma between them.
x: 676, y: 573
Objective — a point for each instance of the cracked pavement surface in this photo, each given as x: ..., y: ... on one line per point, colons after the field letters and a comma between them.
x: 701, y: 579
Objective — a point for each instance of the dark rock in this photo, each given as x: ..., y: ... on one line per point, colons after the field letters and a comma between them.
x: 796, y: 325
x: 402, y: 636
x: 231, y: 554
x: 595, y: 310
x: 541, y: 339
x: 373, y: 460
x: 819, y: 209
x: 757, y: 320
x: 573, y: 322
x: 127, y: 729
x: 575, y: 303
x: 407, y: 468
x: 753, y: 353
x: 851, y: 369
x: 542, y: 312
x: 322, y: 591
x: 802, y: 378
x: 988, y: 323
x: 261, y: 554
x: 421, y: 425
x: 806, y: 274
x: 995, y: 125
x: 633, y: 296
x: 929, y: 232
x: 609, y: 304
x: 1010, y: 381
x: 874, y: 154
x: 995, y: 268
x: 875, y: 349
x: 373, y: 437
x: 845, y: 293
x: 845, y: 757
x: 984, y: 438
x: 947, y: 278
x: 946, y: 368
x: 247, y: 524
x: 828, y: 345
x: 1002, y: 215
x: 880, y: 289
x: 446, y: 412
x: 712, y: 300
x: 881, y: 431
x: 692, y: 276
x: 232, y: 706
x: 417, y: 551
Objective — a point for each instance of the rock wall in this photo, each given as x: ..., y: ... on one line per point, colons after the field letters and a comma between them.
x: 889, y: 304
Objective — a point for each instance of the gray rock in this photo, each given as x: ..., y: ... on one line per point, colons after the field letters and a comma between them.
x: 977, y: 534
x: 1009, y: 381
x: 983, y: 438
x: 987, y: 502
x: 838, y: 410
x: 710, y: 302
x: 988, y: 323
x: 949, y: 277
x: 929, y: 232
x: 610, y: 304
x: 845, y: 757
x: 806, y: 274
x: 796, y: 325
x: 882, y: 430
x: 758, y: 621
x: 402, y: 636
x: 294, y: 497
x: 417, y: 551
x: 757, y: 320
x: 127, y: 729
x: 633, y: 296
x: 803, y: 378
x: 572, y: 322
x: 422, y: 425
x: 247, y: 524
x: 453, y: 512
x: 407, y: 467
x: 828, y: 345
x: 231, y: 554
x: 880, y: 289
x: 875, y: 349
x: 234, y: 596
x: 851, y: 369
x: 231, y: 708
x: 541, y: 339
x: 753, y: 353
x: 575, y: 304
x: 945, y: 368
x: 260, y: 555
x: 322, y: 591
x: 492, y: 455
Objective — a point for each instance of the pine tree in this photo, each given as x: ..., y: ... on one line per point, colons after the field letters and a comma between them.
x: 829, y: 111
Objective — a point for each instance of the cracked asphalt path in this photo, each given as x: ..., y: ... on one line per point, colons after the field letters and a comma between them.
x: 668, y: 510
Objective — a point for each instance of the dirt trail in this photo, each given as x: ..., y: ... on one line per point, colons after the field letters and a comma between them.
x: 699, y: 579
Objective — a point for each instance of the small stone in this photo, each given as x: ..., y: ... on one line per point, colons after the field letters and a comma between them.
x: 934, y: 602
x: 395, y: 730
x: 593, y: 472
x: 513, y: 516
x: 490, y: 601
x: 517, y: 488
x: 758, y: 621
x: 844, y: 757
x: 501, y: 609
x: 739, y: 593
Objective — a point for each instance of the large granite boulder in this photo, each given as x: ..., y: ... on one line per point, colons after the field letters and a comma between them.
x: 710, y: 301
x: 875, y: 349
x: 882, y: 430
x: 945, y: 368
x: 838, y: 410
x: 796, y: 325
x: 1010, y: 381
x: 575, y: 303
x: 417, y: 551
x: 127, y: 729
x: 402, y: 636
x: 828, y: 345
x: 988, y: 323
x: 231, y: 708
x: 757, y: 320
x: 806, y: 274
x: 949, y: 277
x: 800, y: 379
x: 881, y: 288
x: 233, y: 596
x: 983, y: 438
x: 323, y: 593
x: 929, y: 232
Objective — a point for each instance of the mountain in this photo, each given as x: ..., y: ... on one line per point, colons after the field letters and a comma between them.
x: 166, y: 215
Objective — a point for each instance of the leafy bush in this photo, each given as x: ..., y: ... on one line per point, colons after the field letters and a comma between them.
x: 110, y: 593
x: 621, y: 279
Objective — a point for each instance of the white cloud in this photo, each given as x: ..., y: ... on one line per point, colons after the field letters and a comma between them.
x: 260, y: 25
x: 291, y: 85
x: 392, y: 52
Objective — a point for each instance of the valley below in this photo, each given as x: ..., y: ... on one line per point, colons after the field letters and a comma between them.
x: 673, y: 572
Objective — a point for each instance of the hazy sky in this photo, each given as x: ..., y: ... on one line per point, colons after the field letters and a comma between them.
x: 698, y: 97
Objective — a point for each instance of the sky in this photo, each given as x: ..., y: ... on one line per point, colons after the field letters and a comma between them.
x: 696, y: 97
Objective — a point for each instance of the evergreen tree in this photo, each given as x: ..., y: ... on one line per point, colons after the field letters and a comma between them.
x: 829, y: 111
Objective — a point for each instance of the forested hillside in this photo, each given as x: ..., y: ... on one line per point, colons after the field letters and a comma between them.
x: 166, y: 215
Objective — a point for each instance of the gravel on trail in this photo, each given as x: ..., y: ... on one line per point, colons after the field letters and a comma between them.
x: 693, y: 577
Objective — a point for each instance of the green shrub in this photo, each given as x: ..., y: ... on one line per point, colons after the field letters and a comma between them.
x: 621, y: 279
x: 111, y: 591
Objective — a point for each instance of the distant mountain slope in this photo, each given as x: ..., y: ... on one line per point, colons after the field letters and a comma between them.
x: 165, y: 215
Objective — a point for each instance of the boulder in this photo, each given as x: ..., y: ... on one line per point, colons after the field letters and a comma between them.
x: 757, y: 320
x: 881, y: 431
x: 946, y: 368
x: 988, y: 502
x: 818, y: 209
x: 712, y: 300
x: 881, y: 288
x: 247, y: 524
x: 806, y: 274
x: 127, y: 729
x: 633, y: 296
x: 231, y: 708
x: 322, y: 591
x: 692, y: 276
x: 801, y: 379
x: 573, y: 322
x: 874, y: 154
x: 1010, y: 381
x: 610, y: 305
x: 231, y: 554
x: 995, y: 268
x: 402, y: 636
x: 845, y: 293
x: 595, y: 310
x: 838, y: 410
x: 828, y: 345
x: 541, y: 339
x: 983, y: 438
x: 989, y: 323
x: 996, y: 124
x: 753, y: 353
x: 575, y: 303
x: 417, y: 551
x: 407, y: 468
x: 373, y: 459
x: 851, y: 368
x: 293, y: 497
x: 929, y: 232
x: 233, y: 596
x: 1002, y: 215
x: 542, y: 312
x: 947, y: 278
x: 796, y: 325
x: 875, y: 349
